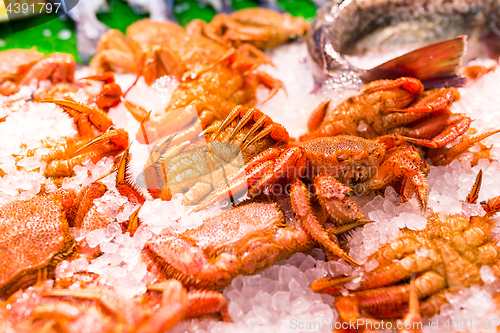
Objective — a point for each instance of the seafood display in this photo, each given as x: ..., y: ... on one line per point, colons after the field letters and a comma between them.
x: 191, y: 179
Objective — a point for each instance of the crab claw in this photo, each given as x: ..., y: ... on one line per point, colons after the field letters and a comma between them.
x: 110, y: 94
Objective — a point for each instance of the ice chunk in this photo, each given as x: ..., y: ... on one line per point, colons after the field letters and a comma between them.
x: 487, y: 274
x: 300, y: 305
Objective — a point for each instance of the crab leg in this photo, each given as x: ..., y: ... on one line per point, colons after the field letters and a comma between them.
x: 172, y: 308
x: 413, y: 318
x: 411, y: 84
x: 451, y: 132
x: 62, y: 161
x: 167, y: 124
x: 114, y: 52
x: 303, y: 212
x: 474, y: 192
x: 159, y: 61
x: 104, y: 297
x: 276, y: 131
x: 316, y: 119
x: 438, y: 100
x: 110, y: 94
x: 85, y: 201
x: 317, y: 115
x: 260, y: 166
x: 83, y: 114
x: 124, y: 183
x: 201, y: 302
x: 403, y: 162
x: 445, y: 156
x: 391, y: 301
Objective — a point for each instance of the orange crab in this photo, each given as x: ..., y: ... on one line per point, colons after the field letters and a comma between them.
x: 389, y: 106
x: 261, y: 27
x: 329, y: 163
x: 243, y: 240
x: 35, y: 233
x: 209, y: 96
x: 445, y: 256
x: 198, y: 169
x: 41, y: 308
x: 19, y: 67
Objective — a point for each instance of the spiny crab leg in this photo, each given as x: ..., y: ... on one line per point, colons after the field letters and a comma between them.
x: 155, y: 173
x: 134, y: 221
x: 124, y: 183
x: 82, y: 114
x: 275, y: 130
x: 63, y: 159
x: 302, y: 209
x: 446, y: 155
x: 111, y: 140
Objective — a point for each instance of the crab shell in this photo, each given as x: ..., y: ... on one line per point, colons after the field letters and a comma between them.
x: 343, y: 157
x: 34, y: 235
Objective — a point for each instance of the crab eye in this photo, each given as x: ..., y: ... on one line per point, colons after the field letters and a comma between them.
x: 342, y: 156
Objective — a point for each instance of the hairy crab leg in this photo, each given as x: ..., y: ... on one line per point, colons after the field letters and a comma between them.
x: 303, y: 212
x: 445, y: 156
x: 451, y: 132
x: 405, y: 162
x: 83, y: 114
x: 124, y: 184
x: 61, y: 162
